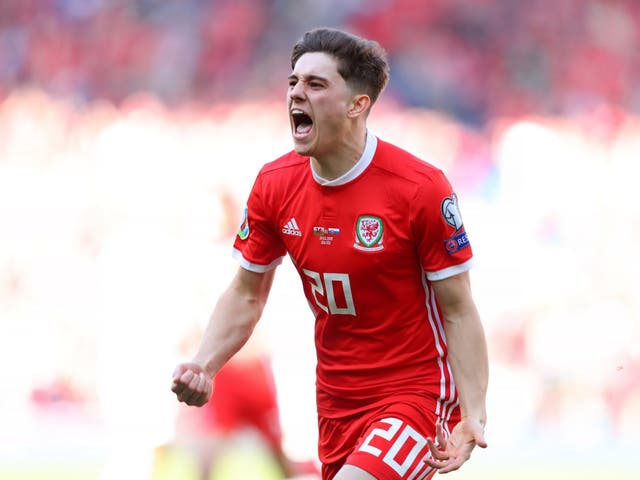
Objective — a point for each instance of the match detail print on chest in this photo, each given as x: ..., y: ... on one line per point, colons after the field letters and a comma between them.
x: 327, y: 228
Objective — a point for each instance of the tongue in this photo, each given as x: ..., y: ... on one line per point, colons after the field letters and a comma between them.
x: 304, y: 128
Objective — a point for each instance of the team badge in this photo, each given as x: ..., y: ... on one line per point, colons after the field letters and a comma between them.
x: 243, y: 230
x: 451, y: 214
x: 369, y: 230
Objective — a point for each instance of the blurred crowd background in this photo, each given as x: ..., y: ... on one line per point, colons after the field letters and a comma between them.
x: 130, y: 134
x: 474, y: 59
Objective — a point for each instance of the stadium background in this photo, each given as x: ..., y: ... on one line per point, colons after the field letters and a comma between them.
x: 130, y: 133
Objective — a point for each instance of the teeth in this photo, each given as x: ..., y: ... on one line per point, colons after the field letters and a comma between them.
x: 296, y: 111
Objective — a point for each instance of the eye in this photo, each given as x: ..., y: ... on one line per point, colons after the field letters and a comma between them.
x: 292, y: 82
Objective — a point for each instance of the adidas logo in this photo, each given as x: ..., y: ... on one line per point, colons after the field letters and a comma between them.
x: 291, y: 228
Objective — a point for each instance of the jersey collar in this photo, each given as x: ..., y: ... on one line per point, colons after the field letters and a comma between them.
x: 369, y: 150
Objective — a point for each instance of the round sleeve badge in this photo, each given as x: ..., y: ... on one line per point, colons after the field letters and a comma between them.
x: 451, y: 212
x: 243, y: 229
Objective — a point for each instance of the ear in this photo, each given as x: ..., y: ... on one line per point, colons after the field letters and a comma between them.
x: 359, y: 106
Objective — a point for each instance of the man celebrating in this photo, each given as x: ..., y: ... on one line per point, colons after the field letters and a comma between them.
x: 377, y: 238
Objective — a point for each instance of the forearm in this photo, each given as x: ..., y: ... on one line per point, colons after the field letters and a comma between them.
x: 467, y: 353
x: 230, y: 326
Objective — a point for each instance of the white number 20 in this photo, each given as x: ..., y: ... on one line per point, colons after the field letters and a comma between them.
x: 419, y: 444
x: 323, y: 285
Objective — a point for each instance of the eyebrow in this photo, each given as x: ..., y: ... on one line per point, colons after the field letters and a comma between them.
x: 308, y: 78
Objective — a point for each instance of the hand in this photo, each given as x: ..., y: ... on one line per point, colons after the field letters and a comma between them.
x: 449, y: 455
x: 191, y: 384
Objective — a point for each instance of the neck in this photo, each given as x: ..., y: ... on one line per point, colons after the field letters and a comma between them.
x: 342, y: 157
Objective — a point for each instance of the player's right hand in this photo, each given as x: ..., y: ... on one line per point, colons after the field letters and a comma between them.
x: 191, y: 384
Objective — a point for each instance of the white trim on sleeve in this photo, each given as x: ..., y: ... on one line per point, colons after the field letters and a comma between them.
x: 450, y: 271
x: 254, y: 267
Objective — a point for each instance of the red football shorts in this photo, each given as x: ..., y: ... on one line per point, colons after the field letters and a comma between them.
x: 389, y: 442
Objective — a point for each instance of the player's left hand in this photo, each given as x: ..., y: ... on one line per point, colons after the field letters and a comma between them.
x: 449, y: 455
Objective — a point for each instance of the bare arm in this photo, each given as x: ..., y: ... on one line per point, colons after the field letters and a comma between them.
x: 466, y: 344
x: 469, y: 362
x: 233, y: 319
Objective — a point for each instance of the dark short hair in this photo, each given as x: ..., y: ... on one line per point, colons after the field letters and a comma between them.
x: 361, y: 62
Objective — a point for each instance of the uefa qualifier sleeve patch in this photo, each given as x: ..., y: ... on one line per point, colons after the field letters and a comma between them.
x: 243, y: 229
x: 451, y: 214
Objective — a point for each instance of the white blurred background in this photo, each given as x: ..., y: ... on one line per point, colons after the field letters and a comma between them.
x: 129, y: 141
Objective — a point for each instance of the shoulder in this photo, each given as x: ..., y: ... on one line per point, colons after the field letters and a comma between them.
x: 282, y: 177
x: 404, y: 165
x: 289, y: 164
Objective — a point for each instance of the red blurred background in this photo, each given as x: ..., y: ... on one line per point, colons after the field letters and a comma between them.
x: 130, y: 134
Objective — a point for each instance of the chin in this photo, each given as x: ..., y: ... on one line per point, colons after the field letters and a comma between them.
x: 305, y: 152
x: 303, y: 149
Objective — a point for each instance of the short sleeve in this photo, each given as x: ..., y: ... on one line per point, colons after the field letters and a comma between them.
x: 257, y: 246
x: 441, y: 238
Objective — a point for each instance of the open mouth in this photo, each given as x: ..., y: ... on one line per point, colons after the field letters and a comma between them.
x: 302, y: 123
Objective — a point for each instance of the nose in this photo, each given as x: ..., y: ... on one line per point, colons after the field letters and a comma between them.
x: 296, y: 92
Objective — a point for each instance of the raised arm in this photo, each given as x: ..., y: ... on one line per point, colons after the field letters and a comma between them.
x: 469, y: 362
x: 233, y: 319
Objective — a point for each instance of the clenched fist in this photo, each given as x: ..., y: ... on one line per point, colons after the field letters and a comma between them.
x: 191, y: 384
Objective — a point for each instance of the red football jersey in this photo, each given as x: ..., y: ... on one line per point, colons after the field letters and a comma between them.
x: 366, y: 246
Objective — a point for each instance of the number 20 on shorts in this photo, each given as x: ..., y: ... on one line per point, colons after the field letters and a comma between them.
x: 407, y: 434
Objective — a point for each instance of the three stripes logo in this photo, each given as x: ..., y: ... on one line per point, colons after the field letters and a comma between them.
x: 291, y: 228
